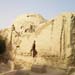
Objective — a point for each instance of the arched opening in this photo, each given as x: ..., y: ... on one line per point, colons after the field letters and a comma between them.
x: 2, y: 45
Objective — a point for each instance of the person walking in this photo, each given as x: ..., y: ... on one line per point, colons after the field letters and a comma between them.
x: 33, y: 49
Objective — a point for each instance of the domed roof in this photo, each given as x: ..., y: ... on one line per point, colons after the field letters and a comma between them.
x: 31, y: 17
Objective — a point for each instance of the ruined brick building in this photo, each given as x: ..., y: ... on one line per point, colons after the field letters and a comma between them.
x: 55, y: 40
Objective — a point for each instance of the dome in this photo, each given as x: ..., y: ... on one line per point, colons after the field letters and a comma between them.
x: 31, y: 17
x: 24, y: 21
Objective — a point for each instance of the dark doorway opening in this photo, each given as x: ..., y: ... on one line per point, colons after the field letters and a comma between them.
x: 2, y: 46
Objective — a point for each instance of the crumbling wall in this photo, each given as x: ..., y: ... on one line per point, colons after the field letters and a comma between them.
x: 53, y: 40
x: 6, y: 34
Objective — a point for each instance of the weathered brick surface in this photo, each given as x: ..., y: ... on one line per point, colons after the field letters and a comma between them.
x: 53, y: 39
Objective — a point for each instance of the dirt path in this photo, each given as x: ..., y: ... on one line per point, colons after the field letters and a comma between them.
x: 28, y: 72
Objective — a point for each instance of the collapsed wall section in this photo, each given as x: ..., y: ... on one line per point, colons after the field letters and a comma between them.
x: 53, y: 40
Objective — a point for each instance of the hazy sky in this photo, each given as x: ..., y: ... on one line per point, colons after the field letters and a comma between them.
x: 10, y: 9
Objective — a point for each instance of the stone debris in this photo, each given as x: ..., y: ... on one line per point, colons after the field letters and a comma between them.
x: 72, y: 73
x: 4, y: 68
x: 18, y: 72
x: 70, y: 70
x: 39, y: 68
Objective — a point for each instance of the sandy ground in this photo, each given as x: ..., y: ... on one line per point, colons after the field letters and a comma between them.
x: 5, y: 70
x: 50, y: 71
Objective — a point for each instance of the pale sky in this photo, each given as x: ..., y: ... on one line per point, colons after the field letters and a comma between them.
x: 10, y: 9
